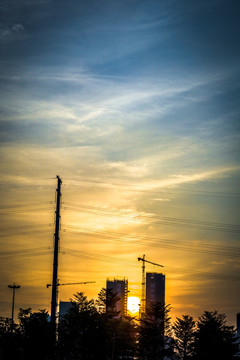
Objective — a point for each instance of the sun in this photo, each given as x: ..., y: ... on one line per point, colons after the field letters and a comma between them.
x: 133, y: 304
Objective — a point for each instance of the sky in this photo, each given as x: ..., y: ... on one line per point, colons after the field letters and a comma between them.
x: 135, y: 105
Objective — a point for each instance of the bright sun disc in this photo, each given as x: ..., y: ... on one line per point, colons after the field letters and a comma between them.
x: 133, y: 304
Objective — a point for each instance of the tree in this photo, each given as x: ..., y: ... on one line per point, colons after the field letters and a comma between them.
x: 119, y: 333
x: 31, y: 339
x: 184, y: 336
x: 88, y: 333
x: 106, y: 302
x: 155, y: 340
x: 214, y: 339
x: 10, y: 340
x: 123, y: 344
x: 37, y: 334
x: 79, y: 330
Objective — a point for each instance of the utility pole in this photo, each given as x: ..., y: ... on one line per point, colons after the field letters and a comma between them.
x: 14, y: 287
x: 55, y: 258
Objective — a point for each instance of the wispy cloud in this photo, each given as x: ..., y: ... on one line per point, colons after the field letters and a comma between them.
x: 14, y: 33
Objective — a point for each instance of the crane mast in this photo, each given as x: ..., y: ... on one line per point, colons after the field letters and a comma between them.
x: 143, y: 300
x: 143, y: 297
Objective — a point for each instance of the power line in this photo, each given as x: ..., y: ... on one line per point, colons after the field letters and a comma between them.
x: 133, y: 187
x: 24, y: 251
x: 148, y: 216
x: 159, y: 242
x: 110, y: 259
x: 25, y: 230
x: 208, y: 275
x: 142, y: 240
x: 24, y: 227
x: 104, y: 258
x: 33, y: 254
x: 25, y: 210
x: 24, y: 233
x: 162, y: 220
x: 19, y: 205
x: 107, y: 233
x: 141, y: 188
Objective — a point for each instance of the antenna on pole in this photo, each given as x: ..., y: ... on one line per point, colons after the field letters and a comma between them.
x: 55, y: 256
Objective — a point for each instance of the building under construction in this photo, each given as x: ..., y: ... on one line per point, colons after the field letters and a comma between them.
x: 120, y: 288
x: 155, y: 288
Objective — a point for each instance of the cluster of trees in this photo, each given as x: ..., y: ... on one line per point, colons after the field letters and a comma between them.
x: 209, y: 338
x: 93, y: 330
x: 32, y: 335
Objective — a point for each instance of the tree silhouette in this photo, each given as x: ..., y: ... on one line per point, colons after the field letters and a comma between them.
x: 90, y: 331
x: 86, y: 332
x: 10, y: 340
x: 214, y: 339
x: 155, y: 340
x: 37, y: 335
x: 120, y: 334
x: 78, y: 329
x: 184, y: 336
x: 106, y: 302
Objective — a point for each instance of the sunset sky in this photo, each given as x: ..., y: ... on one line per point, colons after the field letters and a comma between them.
x: 135, y: 105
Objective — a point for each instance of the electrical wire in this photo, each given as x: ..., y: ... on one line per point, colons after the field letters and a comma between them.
x: 24, y: 251
x: 46, y: 250
x: 24, y: 227
x: 162, y: 220
x: 25, y: 208
x: 137, y: 236
x: 26, y: 254
x: 31, y: 255
x: 163, y: 243
x: 13, y: 206
x: 139, y: 188
x: 135, y: 188
x: 104, y: 258
x: 23, y: 233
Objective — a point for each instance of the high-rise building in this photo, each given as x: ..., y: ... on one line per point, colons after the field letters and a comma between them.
x: 120, y: 288
x: 155, y: 288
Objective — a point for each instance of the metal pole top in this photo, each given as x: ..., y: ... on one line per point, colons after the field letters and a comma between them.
x: 14, y: 286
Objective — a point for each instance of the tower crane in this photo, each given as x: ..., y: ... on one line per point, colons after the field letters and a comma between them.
x: 143, y: 300
x: 84, y: 282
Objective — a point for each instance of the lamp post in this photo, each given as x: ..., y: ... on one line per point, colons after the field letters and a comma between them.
x: 14, y: 287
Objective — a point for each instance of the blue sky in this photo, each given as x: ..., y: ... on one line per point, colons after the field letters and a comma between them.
x: 135, y: 104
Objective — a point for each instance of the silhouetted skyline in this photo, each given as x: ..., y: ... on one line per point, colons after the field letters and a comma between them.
x: 135, y: 104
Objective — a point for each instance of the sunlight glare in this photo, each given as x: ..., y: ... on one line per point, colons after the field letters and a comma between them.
x: 133, y: 304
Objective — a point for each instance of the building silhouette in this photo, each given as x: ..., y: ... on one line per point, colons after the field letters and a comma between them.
x: 120, y: 288
x: 64, y: 307
x: 155, y: 288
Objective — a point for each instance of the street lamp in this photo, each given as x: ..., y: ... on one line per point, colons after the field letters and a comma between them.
x: 14, y: 287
